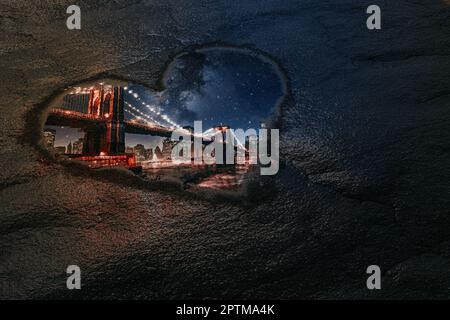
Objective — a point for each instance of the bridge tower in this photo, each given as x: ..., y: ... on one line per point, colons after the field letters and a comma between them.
x: 107, y: 104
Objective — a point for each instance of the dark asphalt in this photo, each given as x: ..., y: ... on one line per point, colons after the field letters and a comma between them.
x: 365, y: 145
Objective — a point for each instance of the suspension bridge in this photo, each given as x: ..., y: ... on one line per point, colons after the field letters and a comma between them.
x: 106, y: 113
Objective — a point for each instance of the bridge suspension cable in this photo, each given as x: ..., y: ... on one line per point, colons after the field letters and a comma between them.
x: 165, y: 117
x: 154, y: 110
x: 136, y: 110
x: 140, y: 118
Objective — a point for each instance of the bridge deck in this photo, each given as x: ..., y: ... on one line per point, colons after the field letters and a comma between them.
x: 67, y: 118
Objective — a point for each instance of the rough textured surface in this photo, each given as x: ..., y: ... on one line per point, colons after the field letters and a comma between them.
x: 365, y: 142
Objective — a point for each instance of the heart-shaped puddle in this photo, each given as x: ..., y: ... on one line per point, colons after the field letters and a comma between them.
x: 111, y: 123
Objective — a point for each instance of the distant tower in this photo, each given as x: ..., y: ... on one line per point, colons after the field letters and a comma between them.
x: 107, y: 103
x: 115, y: 128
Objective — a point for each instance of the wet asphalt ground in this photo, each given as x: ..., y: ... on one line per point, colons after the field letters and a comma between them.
x: 365, y: 135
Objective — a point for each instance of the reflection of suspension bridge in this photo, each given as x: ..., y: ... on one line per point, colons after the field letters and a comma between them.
x: 100, y: 113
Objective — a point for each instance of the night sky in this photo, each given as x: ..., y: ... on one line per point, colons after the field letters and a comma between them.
x: 216, y: 86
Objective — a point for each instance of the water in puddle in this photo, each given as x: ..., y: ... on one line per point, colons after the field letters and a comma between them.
x: 219, y: 86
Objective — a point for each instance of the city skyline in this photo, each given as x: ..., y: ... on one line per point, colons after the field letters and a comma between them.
x: 66, y: 135
x: 70, y: 141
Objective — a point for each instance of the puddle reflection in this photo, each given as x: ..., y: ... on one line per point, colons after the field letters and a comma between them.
x: 110, y: 124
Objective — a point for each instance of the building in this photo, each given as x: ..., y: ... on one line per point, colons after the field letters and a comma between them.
x: 49, y: 138
x: 158, y: 153
x: 129, y: 149
x: 69, y: 148
x: 60, y: 150
x: 139, y: 151
x: 77, y: 146
x: 168, y: 145
x: 149, y: 154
